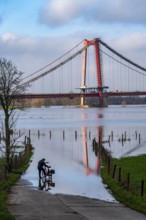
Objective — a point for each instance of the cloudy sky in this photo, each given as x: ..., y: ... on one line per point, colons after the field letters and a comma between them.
x: 35, y: 32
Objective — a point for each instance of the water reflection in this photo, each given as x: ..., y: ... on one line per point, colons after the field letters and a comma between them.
x: 46, y: 181
x: 88, y: 169
x: 65, y: 140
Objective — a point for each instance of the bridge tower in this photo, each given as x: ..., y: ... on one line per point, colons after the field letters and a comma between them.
x: 83, y: 85
x: 98, y: 71
x: 96, y: 45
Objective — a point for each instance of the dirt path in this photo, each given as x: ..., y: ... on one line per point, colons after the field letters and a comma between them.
x: 28, y: 203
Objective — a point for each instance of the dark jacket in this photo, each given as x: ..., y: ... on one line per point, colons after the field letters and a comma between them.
x: 41, y: 164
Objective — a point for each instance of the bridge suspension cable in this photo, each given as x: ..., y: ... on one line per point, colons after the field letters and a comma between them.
x: 144, y: 74
x: 119, y: 72
x: 121, y: 56
x: 45, y: 72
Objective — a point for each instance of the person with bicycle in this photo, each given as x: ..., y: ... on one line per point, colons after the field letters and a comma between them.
x: 41, y: 167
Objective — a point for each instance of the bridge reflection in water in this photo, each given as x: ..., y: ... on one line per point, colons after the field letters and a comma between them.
x: 88, y: 169
x: 76, y: 164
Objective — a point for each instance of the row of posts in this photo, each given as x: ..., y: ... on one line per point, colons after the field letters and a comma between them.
x: 123, y: 138
x: 110, y: 137
x: 113, y: 171
x: 28, y: 139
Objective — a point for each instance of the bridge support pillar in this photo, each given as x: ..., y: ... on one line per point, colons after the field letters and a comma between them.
x: 83, y: 85
x: 98, y: 71
x: 82, y: 101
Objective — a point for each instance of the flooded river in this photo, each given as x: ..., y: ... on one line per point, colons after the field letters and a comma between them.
x: 63, y: 135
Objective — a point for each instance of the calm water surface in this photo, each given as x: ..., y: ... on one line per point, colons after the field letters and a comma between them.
x: 65, y: 140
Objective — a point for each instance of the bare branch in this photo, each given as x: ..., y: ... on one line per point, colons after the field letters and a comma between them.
x: 10, y: 79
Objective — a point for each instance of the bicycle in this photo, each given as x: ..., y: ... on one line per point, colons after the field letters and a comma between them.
x: 46, y: 180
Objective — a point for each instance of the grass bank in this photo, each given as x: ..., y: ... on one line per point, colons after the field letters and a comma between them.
x: 129, y: 193
x: 5, y: 186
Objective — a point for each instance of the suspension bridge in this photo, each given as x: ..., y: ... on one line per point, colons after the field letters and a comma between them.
x: 90, y: 69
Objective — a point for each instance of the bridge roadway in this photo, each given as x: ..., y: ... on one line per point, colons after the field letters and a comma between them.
x: 26, y: 202
x: 75, y: 95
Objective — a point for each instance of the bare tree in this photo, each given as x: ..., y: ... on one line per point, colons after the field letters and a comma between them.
x: 10, y: 79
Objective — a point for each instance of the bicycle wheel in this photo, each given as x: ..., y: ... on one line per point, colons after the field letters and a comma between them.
x: 43, y: 177
x: 46, y: 186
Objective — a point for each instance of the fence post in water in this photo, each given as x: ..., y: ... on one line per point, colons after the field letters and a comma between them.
x: 139, y: 138
x: 19, y: 133
x: 29, y: 133
x: 142, y: 188
x: 111, y: 135
x: 28, y: 141
x: 63, y: 135
x: 75, y: 134
x: 50, y: 134
x: 135, y: 135
x: 38, y: 133
x: 125, y: 136
x: 89, y: 135
x: 109, y: 139
x: 122, y: 140
x: 25, y: 140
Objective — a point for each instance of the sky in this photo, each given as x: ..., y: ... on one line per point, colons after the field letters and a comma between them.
x: 33, y: 33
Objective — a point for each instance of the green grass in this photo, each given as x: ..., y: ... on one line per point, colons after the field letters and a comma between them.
x: 136, y: 166
x: 6, y: 185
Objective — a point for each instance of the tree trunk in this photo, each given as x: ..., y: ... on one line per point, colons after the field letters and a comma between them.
x: 7, y: 142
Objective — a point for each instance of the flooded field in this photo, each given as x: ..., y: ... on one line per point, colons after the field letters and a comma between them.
x: 64, y: 137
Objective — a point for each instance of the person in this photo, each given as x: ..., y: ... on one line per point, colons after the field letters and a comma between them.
x: 41, y: 165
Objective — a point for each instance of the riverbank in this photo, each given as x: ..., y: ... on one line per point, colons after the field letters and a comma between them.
x: 5, y: 186
x: 127, y: 187
x: 26, y: 202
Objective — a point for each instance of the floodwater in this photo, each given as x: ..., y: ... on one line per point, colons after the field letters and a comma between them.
x: 63, y: 135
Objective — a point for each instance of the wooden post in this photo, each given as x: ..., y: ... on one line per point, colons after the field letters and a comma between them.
x: 109, y: 163
x: 75, y: 134
x: 111, y: 135
x: 139, y: 138
x: 114, y: 171
x: 25, y: 140
x: 142, y: 188
x: 50, y: 134
x: 125, y: 136
x: 63, y: 135
x: 122, y: 140
x: 109, y: 138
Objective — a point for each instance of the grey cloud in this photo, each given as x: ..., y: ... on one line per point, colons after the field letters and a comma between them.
x: 122, y: 11
x: 111, y: 11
